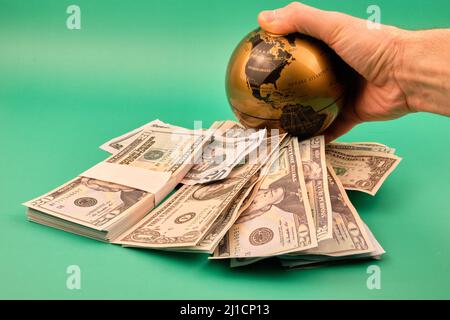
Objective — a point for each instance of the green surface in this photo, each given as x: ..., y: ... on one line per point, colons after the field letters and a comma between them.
x: 63, y: 93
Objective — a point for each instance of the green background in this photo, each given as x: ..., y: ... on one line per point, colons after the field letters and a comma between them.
x: 63, y: 93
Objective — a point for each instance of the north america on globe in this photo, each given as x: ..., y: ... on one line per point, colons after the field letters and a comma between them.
x: 269, y: 56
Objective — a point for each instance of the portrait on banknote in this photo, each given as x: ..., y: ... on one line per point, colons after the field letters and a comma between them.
x: 282, y: 194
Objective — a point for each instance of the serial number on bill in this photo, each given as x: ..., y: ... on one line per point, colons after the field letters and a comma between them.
x: 230, y: 310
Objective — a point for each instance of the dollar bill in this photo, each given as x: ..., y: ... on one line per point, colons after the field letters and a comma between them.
x: 160, y: 149
x: 184, y: 218
x: 315, y: 171
x: 231, y: 144
x: 377, y: 147
x: 224, y: 222
x: 361, y: 170
x: 118, y: 143
x: 279, y: 219
x: 360, y: 146
x: 349, y: 233
x: 266, y: 169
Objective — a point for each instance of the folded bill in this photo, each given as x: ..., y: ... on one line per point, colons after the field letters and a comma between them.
x: 360, y: 146
x: 362, y: 170
x: 312, y: 153
x: 229, y: 146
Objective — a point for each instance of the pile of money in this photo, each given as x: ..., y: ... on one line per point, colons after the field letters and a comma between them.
x: 236, y: 194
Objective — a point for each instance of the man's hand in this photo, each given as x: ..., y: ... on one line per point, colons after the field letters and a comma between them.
x: 377, y: 55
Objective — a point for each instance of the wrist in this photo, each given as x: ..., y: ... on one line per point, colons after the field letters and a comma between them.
x: 422, y: 70
x: 404, y: 69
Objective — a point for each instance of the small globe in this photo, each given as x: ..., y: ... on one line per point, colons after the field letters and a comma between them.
x: 293, y: 83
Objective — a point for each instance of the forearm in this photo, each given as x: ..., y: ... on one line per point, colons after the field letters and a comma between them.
x: 423, y: 71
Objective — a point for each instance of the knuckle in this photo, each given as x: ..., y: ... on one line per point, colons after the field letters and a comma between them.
x: 294, y: 6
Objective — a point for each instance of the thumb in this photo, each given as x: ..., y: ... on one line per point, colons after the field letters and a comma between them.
x: 320, y: 24
x: 367, y: 50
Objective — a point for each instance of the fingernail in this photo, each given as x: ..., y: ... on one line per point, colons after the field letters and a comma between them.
x: 268, y: 16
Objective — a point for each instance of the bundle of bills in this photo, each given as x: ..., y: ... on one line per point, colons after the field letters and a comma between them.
x: 244, y: 195
x: 111, y: 197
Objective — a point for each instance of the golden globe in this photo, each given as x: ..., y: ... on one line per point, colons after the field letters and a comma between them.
x: 293, y: 82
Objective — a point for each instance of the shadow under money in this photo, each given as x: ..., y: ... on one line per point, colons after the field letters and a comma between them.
x: 338, y: 264
x: 272, y: 269
x: 178, y: 257
x: 365, y: 202
x: 261, y: 268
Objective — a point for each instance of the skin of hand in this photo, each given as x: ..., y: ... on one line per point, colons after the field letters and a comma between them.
x: 399, y: 71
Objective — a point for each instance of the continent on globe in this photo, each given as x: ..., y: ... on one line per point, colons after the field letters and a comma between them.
x: 267, y: 59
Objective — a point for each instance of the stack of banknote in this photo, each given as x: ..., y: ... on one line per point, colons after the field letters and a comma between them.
x: 237, y: 194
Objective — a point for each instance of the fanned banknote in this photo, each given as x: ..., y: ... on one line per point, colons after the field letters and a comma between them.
x: 315, y: 171
x: 362, y: 170
x: 224, y: 222
x: 279, y: 219
x: 349, y: 233
x: 350, y: 236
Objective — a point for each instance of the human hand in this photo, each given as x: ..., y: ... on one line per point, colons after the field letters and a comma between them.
x: 379, y: 56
